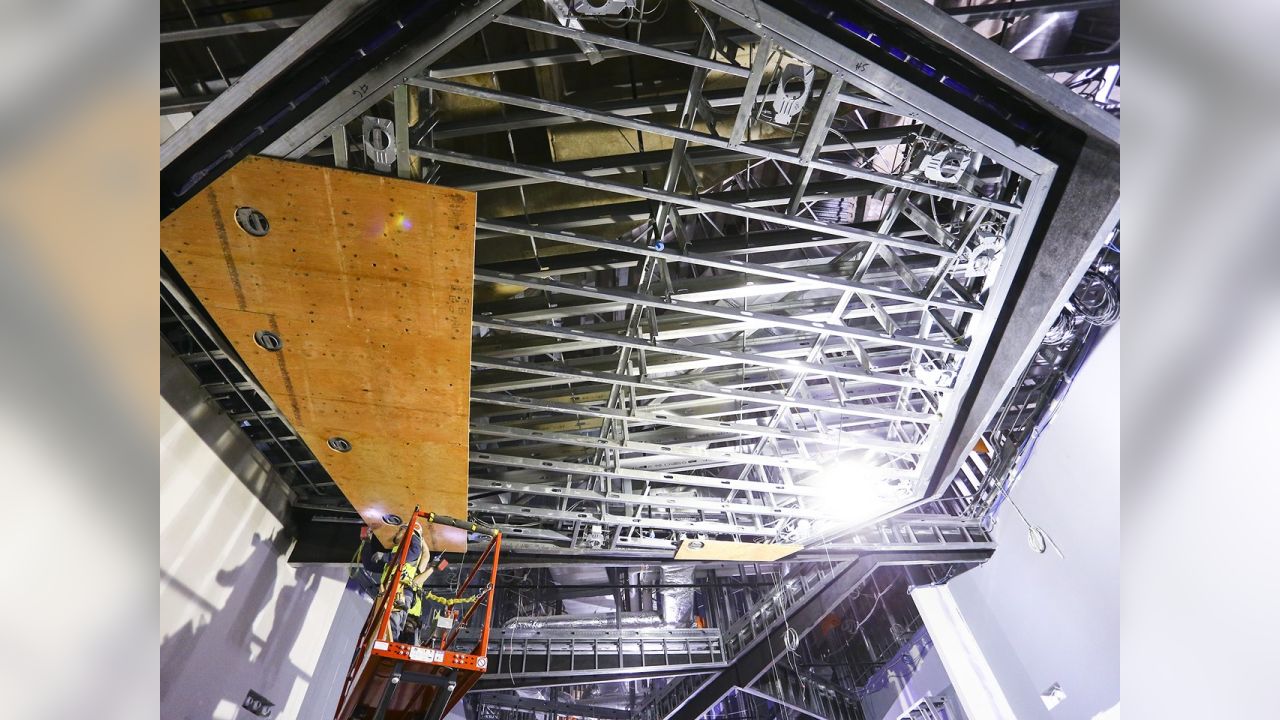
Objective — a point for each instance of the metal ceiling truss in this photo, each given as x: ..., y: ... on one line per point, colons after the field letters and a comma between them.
x: 773, y: 360
x: 790, y: 280
x: 718, y: 252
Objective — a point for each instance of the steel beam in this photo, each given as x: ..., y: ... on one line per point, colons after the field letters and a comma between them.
x: 700, y: 204
x: 1022, y: 8
x: 821, y: 122
x: 857, y: 69
x: 680, y: 327
x: 809, y: 697
x: 774, y: 361
x: 701, y: 138
x: 662, y: 478
x: 632, y: 445
x: 544, y: 58
x: 607, y: 519
x: 629, y: 107
x: 658, y: 159
x: 317, y: 29
x: 671, y: 388
x: 549, y: 657
x: 760, y: 63
x: 703, y: 506
x: 1085, y: 214
x: 632, y: 48
x: 229, y: 29
x: 742, y: 266
x: 749, y: 317
x: 935, y: 25
x: 375, y: 85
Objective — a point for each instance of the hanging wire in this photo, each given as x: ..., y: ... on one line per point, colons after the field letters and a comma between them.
x: 1097, y: 299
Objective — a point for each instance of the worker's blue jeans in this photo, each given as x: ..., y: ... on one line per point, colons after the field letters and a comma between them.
x: 399, y: 617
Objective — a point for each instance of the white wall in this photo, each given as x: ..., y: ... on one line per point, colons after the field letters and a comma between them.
x: 1041, y: 619
x: 234, y: 615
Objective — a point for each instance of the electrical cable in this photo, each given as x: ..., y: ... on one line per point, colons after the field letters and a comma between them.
x: 1063, y: 329
x: 1097, y: 299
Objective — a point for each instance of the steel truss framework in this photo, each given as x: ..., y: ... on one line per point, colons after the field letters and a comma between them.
x: 851, y: 620
x: 680, y: 353
x: 756, y: 302
x: 681, y: 349
x: 712, y: 261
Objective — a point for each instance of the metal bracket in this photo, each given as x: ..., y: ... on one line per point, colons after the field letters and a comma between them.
x: 561, y: 11
x: 378, y: 137
x: 602, y: 7
x: 795, y: 82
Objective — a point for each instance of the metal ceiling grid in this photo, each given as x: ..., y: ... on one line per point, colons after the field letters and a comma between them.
x: 674, y: 358
x: 771, y: 273
x: 714, y: 256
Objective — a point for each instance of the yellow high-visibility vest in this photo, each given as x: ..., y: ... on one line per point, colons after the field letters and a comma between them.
x: 409, y: 573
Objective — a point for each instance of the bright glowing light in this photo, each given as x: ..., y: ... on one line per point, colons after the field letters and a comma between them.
x: 860, y: 490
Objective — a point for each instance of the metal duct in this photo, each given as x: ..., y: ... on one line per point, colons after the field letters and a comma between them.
x: 1041, y: 36
x: 840, y: 211
x: 536, y: 693
x: 677, y: 610
x: 618, y: 699
x: 593, y: 621
x: 677, y: 602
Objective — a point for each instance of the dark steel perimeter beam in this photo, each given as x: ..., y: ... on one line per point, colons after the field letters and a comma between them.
x: 351, y: 67
x: 1020, y: 8
x: 753, y: 663
x: 317, y: 29
x: 1085, y: 208
x: 1023, y: 79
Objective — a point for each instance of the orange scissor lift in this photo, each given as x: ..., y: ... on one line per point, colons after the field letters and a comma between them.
x: 398, y: 681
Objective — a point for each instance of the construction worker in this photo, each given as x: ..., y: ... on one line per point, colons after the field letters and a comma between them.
x: 373, y: 564
x: 409, y: 596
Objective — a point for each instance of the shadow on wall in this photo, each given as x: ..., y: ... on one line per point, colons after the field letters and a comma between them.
x: 199, y: 664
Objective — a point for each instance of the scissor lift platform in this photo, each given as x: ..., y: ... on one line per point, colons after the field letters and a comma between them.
x: 400, y: 681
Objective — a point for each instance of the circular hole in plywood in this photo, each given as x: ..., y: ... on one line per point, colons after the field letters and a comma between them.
x: 252, y: 221
x: 268, y: 340
x: 339, y: 444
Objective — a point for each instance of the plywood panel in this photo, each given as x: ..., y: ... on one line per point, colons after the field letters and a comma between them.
x: 368, y: 281
x: 734, y: 551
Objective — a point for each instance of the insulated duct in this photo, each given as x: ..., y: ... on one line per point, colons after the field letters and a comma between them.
x: 622, y: 699
x: 677, y: 610
x: 677, y: 602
